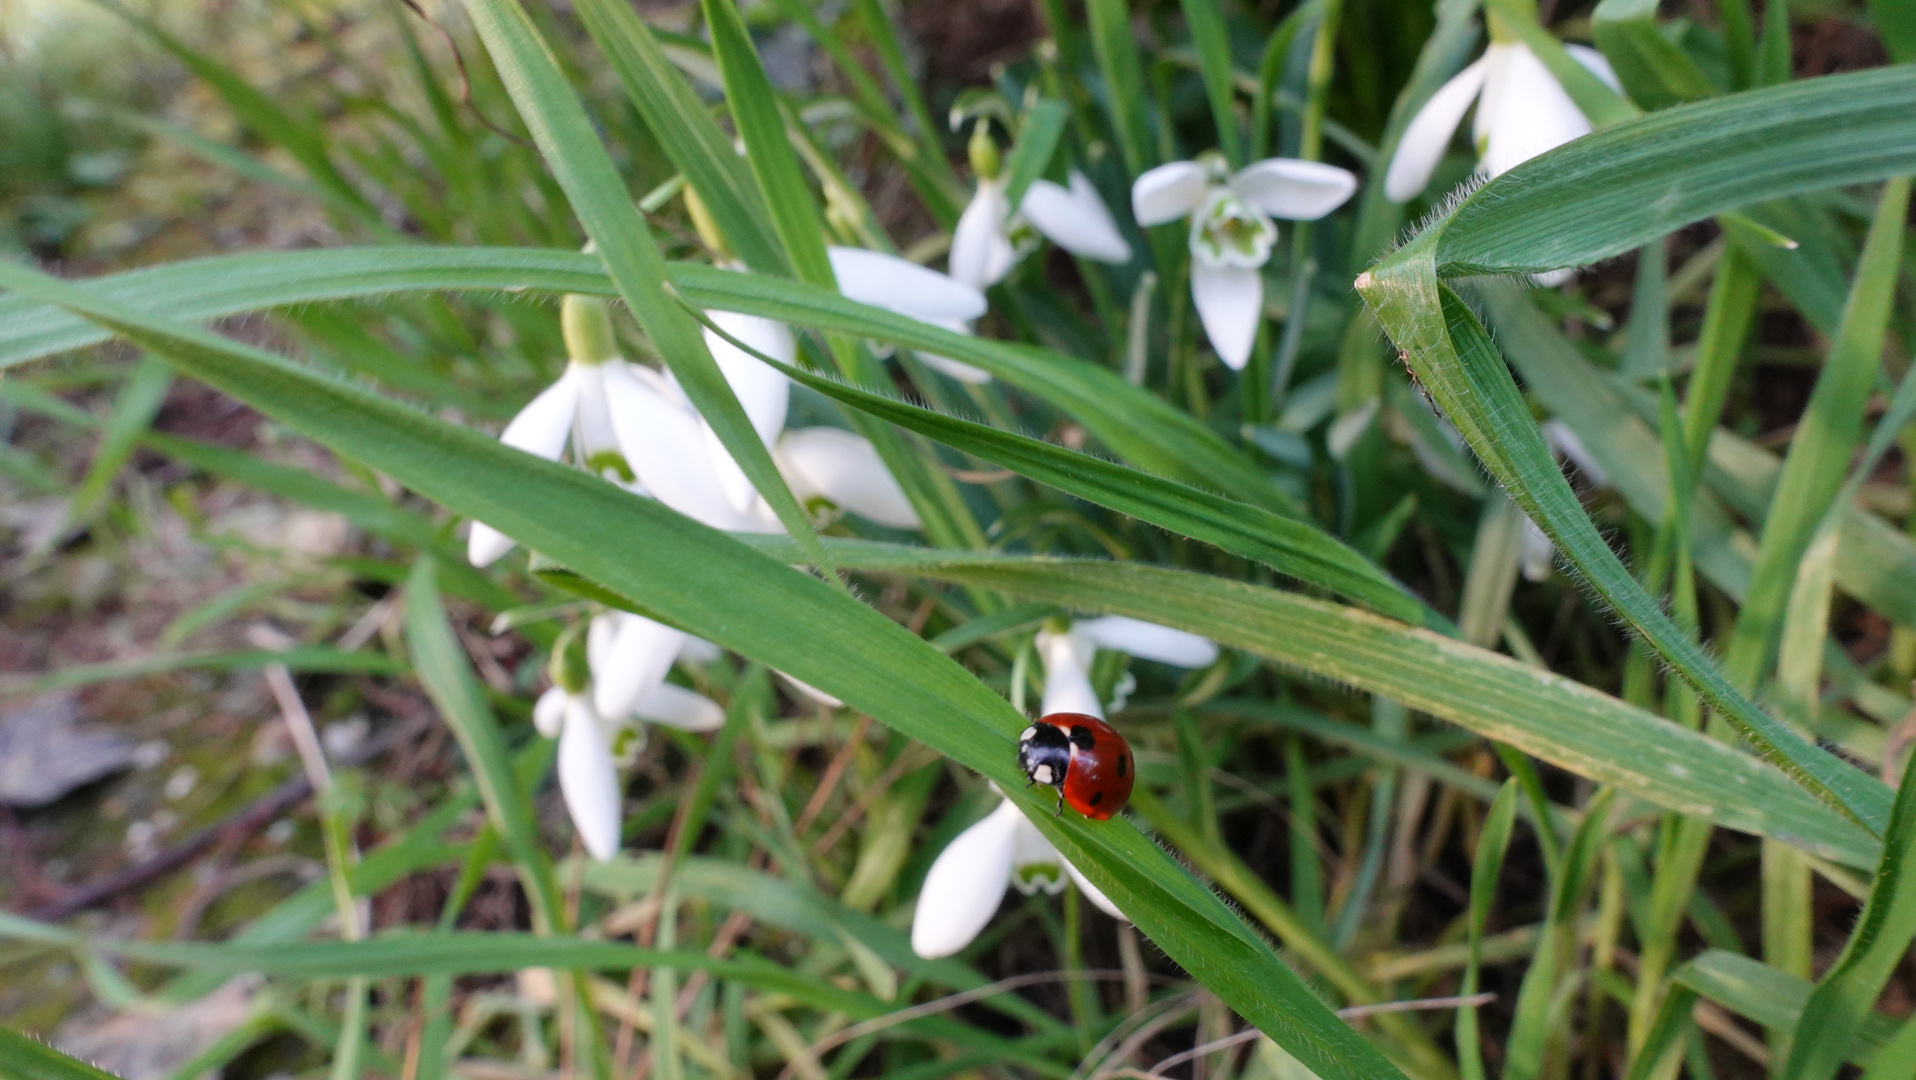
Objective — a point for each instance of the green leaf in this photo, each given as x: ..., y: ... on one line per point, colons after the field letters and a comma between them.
x: 1287, y: 545
x: 742, y: 599
x: 1651, y: 67
x: 1213, y: 43
x: 447, y: 676
x: 1487, y: 865
x: 1826, y: 438
x: 1628, y: 184
x: 313, y: 658
x: 1117, y: 53
x: 761, y: 126
x: 1542, y: 714
x: 685, y: 129
x: 1461, y: 369
x: 1132, y: 422
x: 23, y: 1058
x: 571, y: 147
x: 1846, y: 996
x: 1772, y: 998
x: 1038, y: 139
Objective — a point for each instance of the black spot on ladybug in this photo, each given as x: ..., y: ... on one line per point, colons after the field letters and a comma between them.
x: 1097, y: 797
x: 1082, y: 738
x: 1122, y: 764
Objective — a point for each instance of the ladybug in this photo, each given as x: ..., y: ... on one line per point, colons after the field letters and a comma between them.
x: 1083, y: 757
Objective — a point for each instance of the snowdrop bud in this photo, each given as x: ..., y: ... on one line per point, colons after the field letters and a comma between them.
x: 548, y: 713
x: 587, y: 325
x: 983, y: 151
x: 1149, y: 641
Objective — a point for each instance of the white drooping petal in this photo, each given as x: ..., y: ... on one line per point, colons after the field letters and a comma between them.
x: 845, y: 468
x: 1297, y: 190
x: 981, y: 254
x: 666, y: 447
x: 486, y: 545
x: 589, y: 780
x: 1558, y: 436
x: 899, y: 285
x: 966, y: 883
x: 957, y: 369
x: 762, y: 389
x: 810, y: 691
x: 1230, y: 301
x: 633, y: 662
x: 548, y: 713
x: 697, y: 650
x: 1531, y: 114
x: 1067, y: 674
x: 1075, y: 219
x: 540, y: 428
x: 1538, y: 552
x: 1093, y: 893
x: 677, y: 707
x: 1169, y: 192
x: 1596, y: 63
x: 1428, y: 135
x: 1149, y: 640
x: 1496, y: 63
x: 1036, y: 866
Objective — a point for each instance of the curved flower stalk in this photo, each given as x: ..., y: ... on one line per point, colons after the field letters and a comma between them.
x: 992, y: 235
x: 1522, y: 111
x: 969, y: 878
x: 1232, y: 232
x: 594, y: 741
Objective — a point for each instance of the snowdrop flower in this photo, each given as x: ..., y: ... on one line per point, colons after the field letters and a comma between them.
x: 1232, y: 232
x: 969, y: 879
x: 992, y: 236
x: 1068, y: 654
x: 593, y: 739
x: 1522, y: 111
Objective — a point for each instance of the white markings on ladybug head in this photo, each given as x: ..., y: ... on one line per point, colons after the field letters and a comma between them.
x: 1028, y: 733
x: 1042, y: 774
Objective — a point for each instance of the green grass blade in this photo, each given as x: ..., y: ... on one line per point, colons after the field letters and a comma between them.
x: 1626, y: 185
x: 1846, y: 996
x: 745, y: 600
x: 1539, y: 713
x: 1037, y: 141
x: 134, y: 408
x: 23, y: 1058
x: 1118, y: 63
x: 1826, y: 438
x: 1460, y: 367
x: 1487, y: 865
x: 1656, y: 72
x: 571, y: 147
x: 685, y: 129
x: 1287, y: 545
x: 445, y: 672
x: 1212, y: 41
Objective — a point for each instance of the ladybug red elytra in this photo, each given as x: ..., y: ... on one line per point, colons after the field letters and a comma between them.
x: 1083, y: 757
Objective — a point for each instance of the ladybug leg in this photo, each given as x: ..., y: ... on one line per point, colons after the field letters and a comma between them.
x: 1060, y: 810
x: 1028, y: 782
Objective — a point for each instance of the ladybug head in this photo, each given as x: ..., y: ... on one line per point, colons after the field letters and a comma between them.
x: 1044, y: 753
